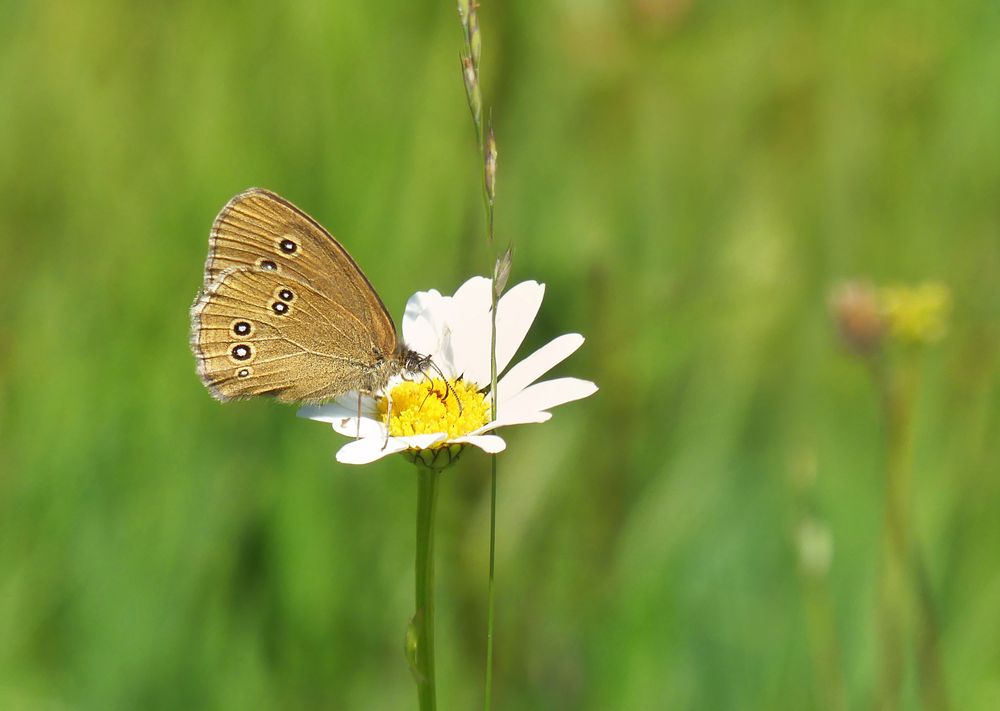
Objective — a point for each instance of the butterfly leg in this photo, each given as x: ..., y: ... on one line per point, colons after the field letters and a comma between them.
x: 388, y: 419
x: 358, y: 436
x: 429, y: 391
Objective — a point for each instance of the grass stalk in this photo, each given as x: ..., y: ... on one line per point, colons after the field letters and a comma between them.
x: 500, y: 269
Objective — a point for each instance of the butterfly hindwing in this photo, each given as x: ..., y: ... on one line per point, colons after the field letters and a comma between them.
x: 257, y: 331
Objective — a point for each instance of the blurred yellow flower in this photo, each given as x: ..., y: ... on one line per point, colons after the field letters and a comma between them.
x: 916, y: 314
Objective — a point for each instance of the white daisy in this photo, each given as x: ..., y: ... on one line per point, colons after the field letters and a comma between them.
x: 427, y: 421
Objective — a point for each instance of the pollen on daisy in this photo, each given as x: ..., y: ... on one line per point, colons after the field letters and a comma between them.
x: 430, y: 406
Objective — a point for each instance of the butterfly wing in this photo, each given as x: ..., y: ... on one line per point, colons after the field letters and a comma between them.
x: 258, y: 333
x: 262, y: 229
x: 324, y: 340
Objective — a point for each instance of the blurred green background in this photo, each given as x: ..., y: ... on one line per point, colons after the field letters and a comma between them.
x: 688, y: 178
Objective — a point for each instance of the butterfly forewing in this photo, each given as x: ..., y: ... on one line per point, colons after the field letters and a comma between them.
x: 285, y: 310
x: 259, y: 228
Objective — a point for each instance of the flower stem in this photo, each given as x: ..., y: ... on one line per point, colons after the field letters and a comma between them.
x: 904, y: 588
x: 893, y: 597
x: 422, y: 625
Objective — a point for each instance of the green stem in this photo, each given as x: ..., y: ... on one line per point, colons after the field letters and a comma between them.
x: 488, y: 693
x: 932, y: 682
x: 905, y: 587
x: 822, y: 631
x: 893, y: 598
x: 422, y: 625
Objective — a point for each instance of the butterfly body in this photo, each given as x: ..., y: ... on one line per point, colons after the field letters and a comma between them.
x: 285, y: 311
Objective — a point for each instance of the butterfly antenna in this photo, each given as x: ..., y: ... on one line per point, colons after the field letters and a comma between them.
x: 447, y: 385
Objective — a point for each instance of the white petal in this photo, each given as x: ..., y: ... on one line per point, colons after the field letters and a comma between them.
x: 431, y: 322
x: 348, y: 426
x: 471, y: 325
x: 536, y: 365
x: 423, y: 441
x: 469, y: 330
x: 516, y: 312
x: 330, y: 412
x: 443, y: 353
x: 370, y: 449
x: 350, y: 401
x: 474, y: 291
x: 548, y: 394
x: 344, y: 406
x: 423, y: 322
x: 524, y: 417
x: 488, y: 443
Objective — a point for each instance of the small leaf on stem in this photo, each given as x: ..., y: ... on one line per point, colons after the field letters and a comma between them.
x: 472, y: 91
x: 501, y: 271
x: 472, y: 32
x: 490, y: 165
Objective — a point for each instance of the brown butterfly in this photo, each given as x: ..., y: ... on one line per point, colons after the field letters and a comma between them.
x: 286, y: 311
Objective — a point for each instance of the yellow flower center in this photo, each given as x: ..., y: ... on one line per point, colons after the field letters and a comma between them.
x: 430, y: 406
